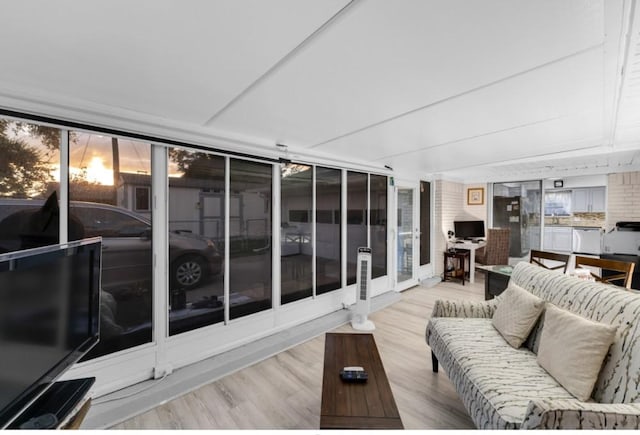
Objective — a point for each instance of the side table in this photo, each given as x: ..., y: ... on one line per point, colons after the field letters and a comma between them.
x: 459, y: 258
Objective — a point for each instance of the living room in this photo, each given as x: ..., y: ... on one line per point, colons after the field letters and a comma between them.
x: 233, y: 156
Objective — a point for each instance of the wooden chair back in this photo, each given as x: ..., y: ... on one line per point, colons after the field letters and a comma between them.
x: 624, y: 268
x: 538, y: 257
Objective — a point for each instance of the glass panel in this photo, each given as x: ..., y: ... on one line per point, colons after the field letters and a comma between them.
x: 516, y: 206
x: 104, y: 173
x: 296, y: 193
x: 29, y: 174
x: 356, y: 220
x: 405, y: 234
x: 425, y: 222
x: 196, y: 239
x: 378, y: 225
x: 328, y: 235
x: 250, y: 238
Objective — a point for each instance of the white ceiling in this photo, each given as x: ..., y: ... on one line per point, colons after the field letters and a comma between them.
x: 488, y: 90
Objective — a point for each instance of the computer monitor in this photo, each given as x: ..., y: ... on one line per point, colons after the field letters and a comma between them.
x: 468, y: 229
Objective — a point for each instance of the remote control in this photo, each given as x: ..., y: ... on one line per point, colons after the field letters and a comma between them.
x: 358, y: 375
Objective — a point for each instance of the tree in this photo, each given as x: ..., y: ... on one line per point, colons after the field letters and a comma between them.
x: 197, y: 165
x: 23, y: 173
x: 49, y: 136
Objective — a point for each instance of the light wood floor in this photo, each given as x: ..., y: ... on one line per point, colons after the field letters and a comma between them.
x: 284, y: 391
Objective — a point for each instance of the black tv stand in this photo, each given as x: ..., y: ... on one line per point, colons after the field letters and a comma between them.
x: 59, y: 400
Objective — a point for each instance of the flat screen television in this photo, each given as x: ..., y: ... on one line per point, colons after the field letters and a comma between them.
x: 49, y: 318
x: 468, y: 229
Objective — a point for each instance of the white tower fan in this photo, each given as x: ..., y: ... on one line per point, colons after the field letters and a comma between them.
x: 359, y: 320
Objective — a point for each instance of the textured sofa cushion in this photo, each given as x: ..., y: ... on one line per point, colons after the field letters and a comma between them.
x: 494, y: 380
x: 604, y: 303
x: 516, y: 314
x: 572, y: 349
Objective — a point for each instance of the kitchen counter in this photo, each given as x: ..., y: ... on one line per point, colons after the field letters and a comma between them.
x: 573, y: 226
x: 587, y: 220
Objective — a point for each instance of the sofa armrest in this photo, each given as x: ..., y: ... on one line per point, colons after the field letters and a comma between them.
x: 482, y: 309
x: 574, y: 414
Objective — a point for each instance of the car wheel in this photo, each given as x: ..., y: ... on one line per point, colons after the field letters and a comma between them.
x: 188, y: 272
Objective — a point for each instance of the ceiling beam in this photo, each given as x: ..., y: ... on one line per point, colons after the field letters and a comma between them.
x: 286, y: 58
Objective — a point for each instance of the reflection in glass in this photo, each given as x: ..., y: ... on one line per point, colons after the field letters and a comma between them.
x: 328, y: 236
x: 250, y: 272
x: 29, y: 174
x: 296, y: 193
x: 425, y: 222
x: 378, y: 222
x: 517, y: 206
x: 405, y: 234
x: 356, y: 220
x: 196, y: 240
x: 104, y: 173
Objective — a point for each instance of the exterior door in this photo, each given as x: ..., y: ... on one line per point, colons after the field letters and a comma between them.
x: 406, y: 238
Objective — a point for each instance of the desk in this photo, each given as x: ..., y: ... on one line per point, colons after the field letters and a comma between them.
x: 497, y: 279
x: 472, y: 255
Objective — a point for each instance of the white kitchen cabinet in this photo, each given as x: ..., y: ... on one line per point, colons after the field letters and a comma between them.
x: 591, y: 199
x: 558, y: 239
x: 562, y: 239
x: 598, y: 199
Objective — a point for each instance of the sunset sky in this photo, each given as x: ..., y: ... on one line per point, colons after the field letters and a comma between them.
x: 91, y: 154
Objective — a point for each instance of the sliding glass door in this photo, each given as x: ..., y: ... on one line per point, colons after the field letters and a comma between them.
x: 516, y: 205
x: 405, y: 245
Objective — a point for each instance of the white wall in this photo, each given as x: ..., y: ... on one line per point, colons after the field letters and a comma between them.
x: 478, y: 212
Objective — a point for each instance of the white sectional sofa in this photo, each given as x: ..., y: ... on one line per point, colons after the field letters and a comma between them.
x: 505, y: 388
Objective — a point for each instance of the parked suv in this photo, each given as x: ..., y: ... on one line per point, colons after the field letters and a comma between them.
x: 126, y: 244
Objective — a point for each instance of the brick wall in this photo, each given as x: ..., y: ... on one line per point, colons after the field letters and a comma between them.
x: 623, y: 198
x: 448, y: 206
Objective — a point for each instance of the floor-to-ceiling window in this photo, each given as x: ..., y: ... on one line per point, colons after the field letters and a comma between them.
x: 296, y: 241
x: 29, y: 175
x: 328, y: 234
x: 215, y: 240
x: 378, y: 225
x: 104, y: 173
x: 356, y: 220
x: 250, y: 244
x: 196, y: 239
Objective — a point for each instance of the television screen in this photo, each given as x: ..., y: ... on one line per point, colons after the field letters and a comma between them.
x: 468, y: 229
x: 49, y: 317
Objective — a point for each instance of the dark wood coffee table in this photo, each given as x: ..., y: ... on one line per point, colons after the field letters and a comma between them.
x: 368, y: 405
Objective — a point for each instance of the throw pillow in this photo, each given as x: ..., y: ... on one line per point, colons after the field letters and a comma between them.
x: 572, y: 350
x: 516, y: 314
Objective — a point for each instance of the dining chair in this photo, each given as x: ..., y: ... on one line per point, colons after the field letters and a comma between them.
x: 624, y: 269
x: 539, y: 257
